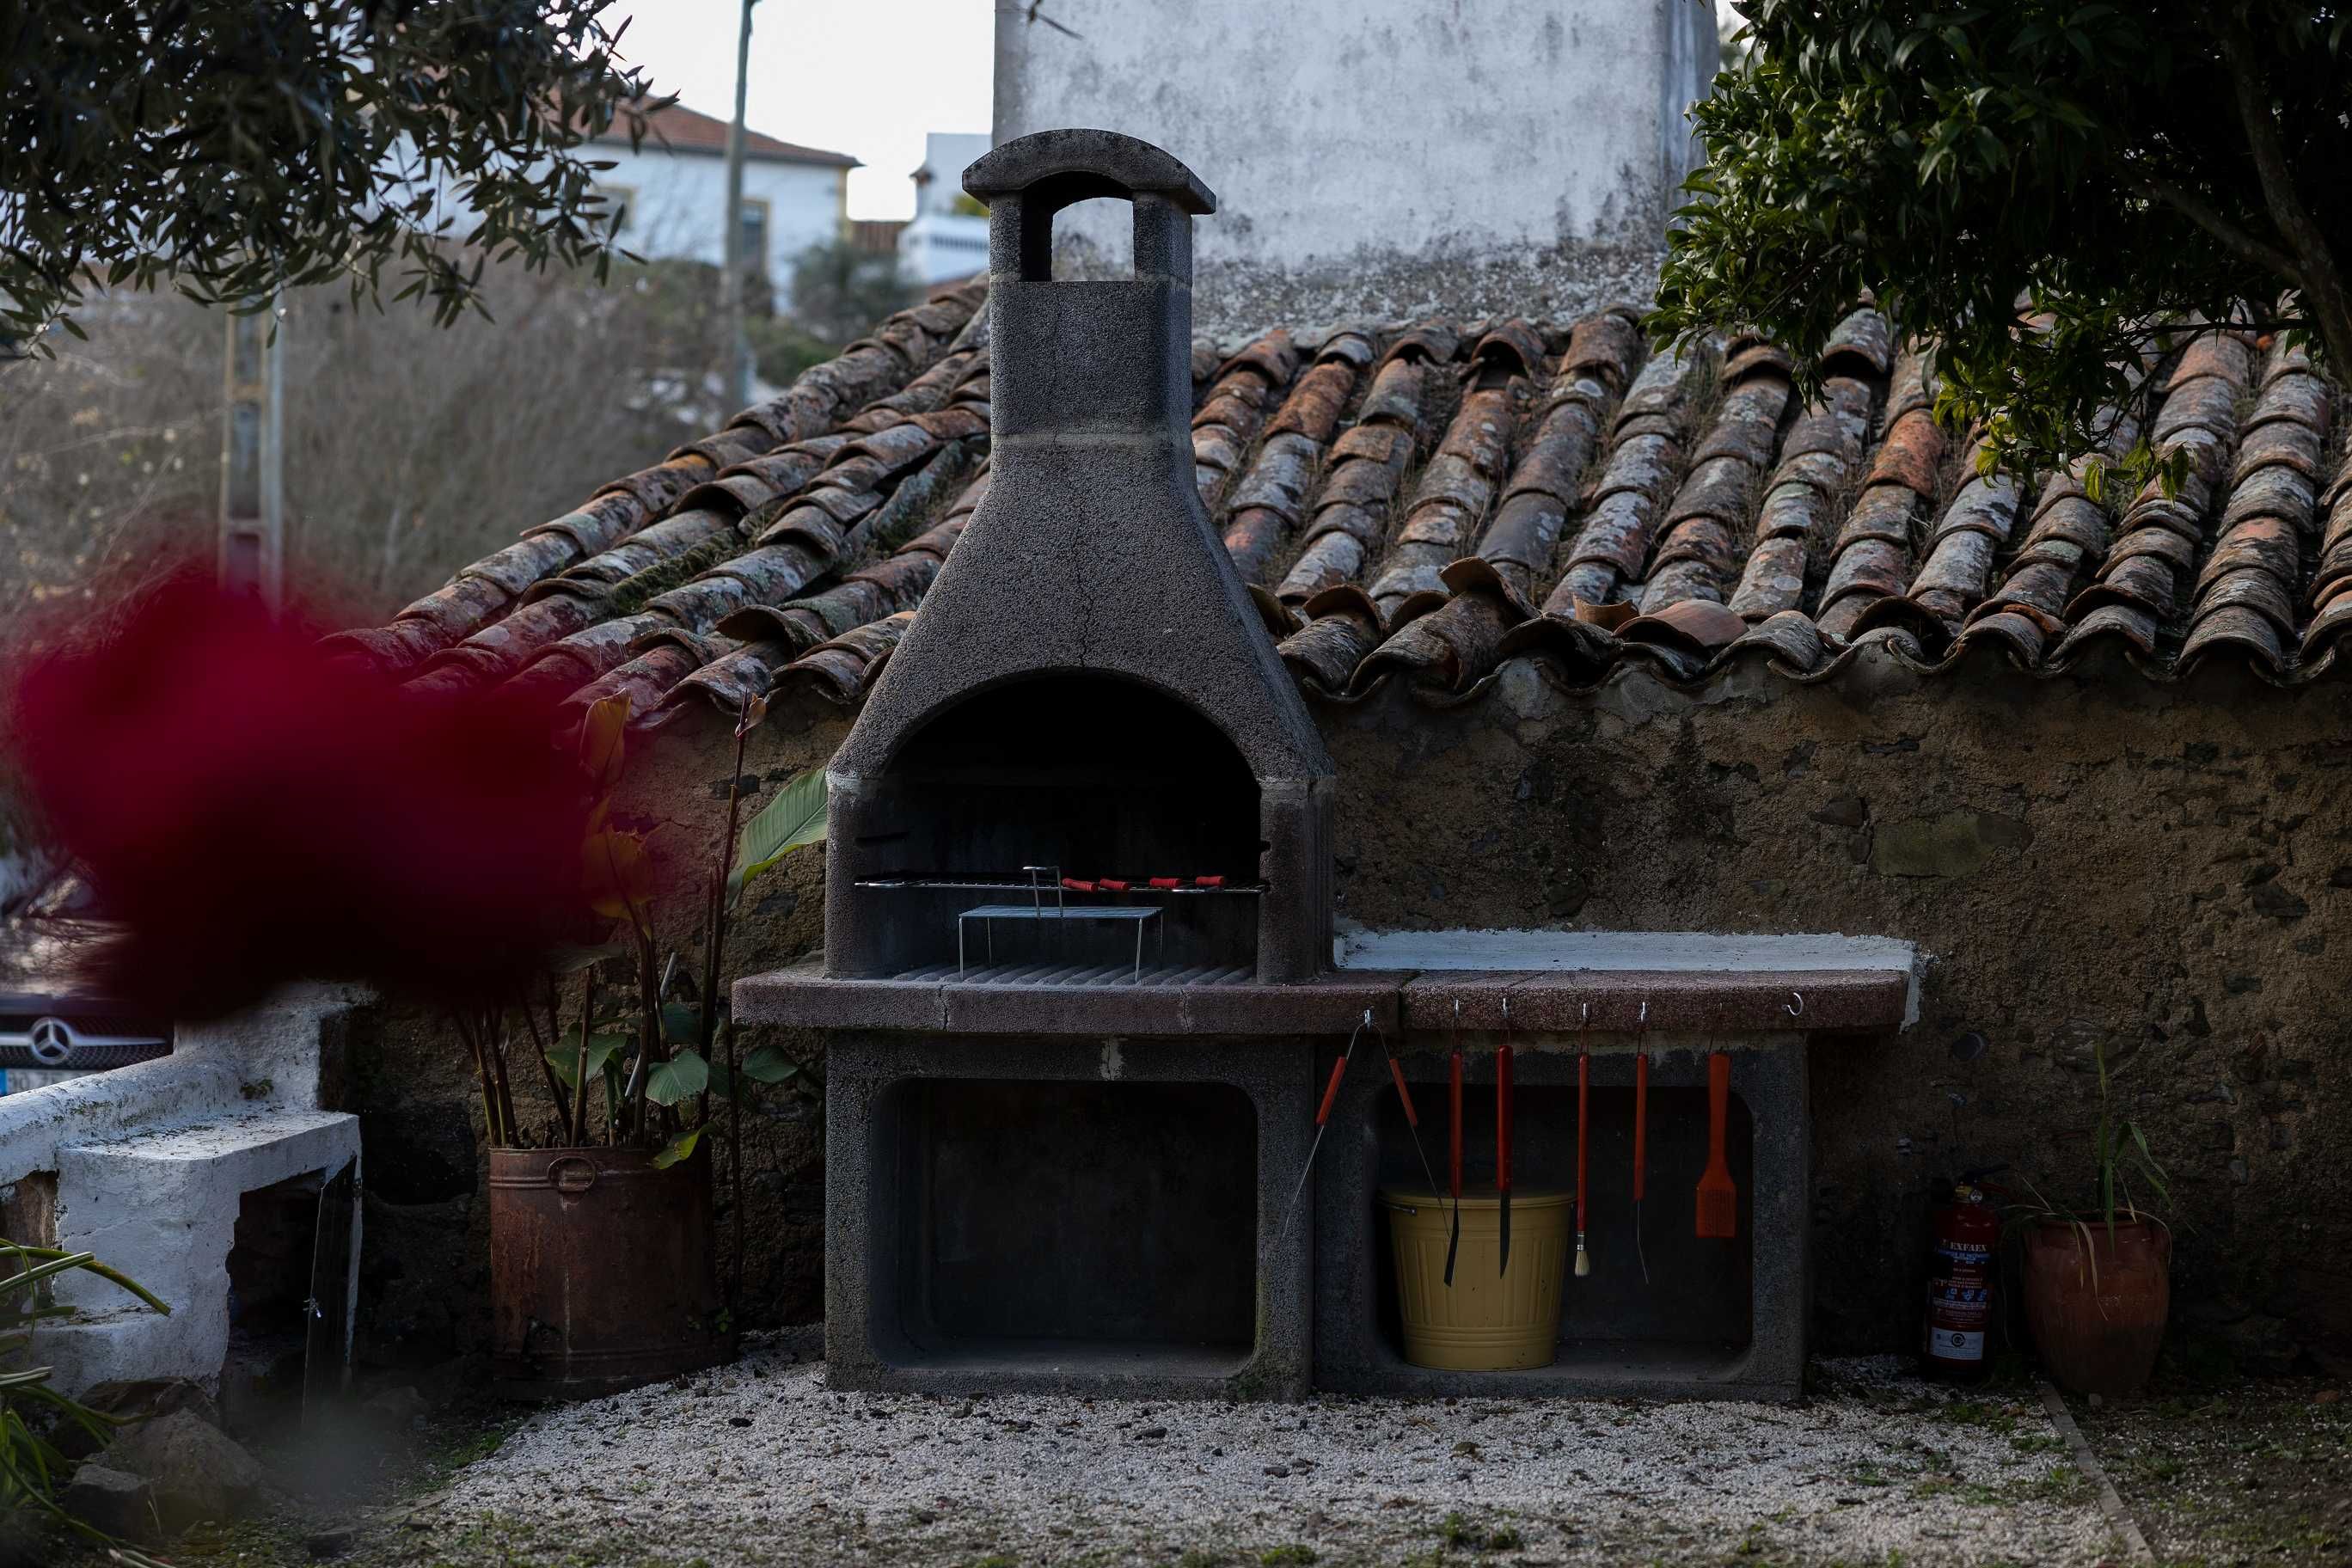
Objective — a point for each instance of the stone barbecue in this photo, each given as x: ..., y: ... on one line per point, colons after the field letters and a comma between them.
x: 1081, y: 986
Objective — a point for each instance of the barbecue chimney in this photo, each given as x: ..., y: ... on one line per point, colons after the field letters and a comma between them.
x: 1088, y: 686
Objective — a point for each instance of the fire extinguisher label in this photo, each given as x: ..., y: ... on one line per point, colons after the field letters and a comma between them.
x: 1957, y: 1344
x: 1960, y: 1304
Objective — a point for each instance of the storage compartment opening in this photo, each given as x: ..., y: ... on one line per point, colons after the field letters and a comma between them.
x: 1075, y: 1222
x: 1695, y: 1313
x: 1094, y: 777
x: 270, y: 1265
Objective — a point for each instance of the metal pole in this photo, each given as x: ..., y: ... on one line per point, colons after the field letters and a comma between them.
x: 250, y: 548
x: 737, y: 348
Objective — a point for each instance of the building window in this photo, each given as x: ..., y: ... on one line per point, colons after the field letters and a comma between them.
x: 755, y: 235
x: 619, y: 207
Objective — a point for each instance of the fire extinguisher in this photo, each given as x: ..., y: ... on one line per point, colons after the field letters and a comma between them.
x: 1964, y: 1249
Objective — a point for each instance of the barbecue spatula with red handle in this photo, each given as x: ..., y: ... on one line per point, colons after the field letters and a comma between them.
x: 1718, y: 1200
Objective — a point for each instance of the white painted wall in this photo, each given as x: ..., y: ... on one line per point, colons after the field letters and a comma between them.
x: 149, y: 1162
x: 937, y: 246
x: 1386, y: 156
x: 941, y: 243
x: 677, y: 205
x: 945, y: 156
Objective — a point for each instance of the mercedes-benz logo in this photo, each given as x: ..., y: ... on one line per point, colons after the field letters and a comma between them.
x: 51, y: 1041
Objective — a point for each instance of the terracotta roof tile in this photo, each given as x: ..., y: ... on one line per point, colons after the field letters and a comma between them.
x: 1367, y: 469
x: 1430, y: 506
x: 1244, y: 391
x: 1266, y: 506
x: 680, y: 129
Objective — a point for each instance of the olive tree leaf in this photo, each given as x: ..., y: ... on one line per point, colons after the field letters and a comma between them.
x: 229, y: 150
x: 2054, y: 231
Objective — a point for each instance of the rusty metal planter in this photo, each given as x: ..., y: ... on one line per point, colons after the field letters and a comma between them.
x: 602, y: 1271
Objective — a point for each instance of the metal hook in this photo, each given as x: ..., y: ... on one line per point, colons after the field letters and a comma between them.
x: 1643, y: 1021
x: 1799, y: 1010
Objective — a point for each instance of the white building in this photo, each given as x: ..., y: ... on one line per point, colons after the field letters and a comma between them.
x: 948, y: 236
x: 1388, y: 157
x: 672, y: 190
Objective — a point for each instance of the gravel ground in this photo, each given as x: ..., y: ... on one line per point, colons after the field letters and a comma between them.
x: 760, y: 1464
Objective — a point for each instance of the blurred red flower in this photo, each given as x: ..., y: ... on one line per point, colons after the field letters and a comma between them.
x: 251, y: 811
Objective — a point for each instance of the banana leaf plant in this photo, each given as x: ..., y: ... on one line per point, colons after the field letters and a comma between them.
x: 32, y: 1468
x: 638, y: 1063
x: 2119, y: 1153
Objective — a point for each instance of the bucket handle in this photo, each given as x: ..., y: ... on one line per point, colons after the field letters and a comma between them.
x: 571, y: 1175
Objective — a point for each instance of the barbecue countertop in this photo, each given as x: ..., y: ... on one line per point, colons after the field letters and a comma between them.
x: 1555, y: 984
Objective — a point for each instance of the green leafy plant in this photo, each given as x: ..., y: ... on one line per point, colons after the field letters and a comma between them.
x: 2052, y: 191
x: 2119, y: 1156
x: 658, y: 1054
x: 646, y: 1050
x: 32, y: 1469
x: 233, y: 150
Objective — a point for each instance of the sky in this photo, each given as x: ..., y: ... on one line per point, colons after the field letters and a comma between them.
x: 866, y: 77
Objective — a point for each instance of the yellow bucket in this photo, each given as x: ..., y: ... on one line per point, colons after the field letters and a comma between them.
x: 1485, y: 1321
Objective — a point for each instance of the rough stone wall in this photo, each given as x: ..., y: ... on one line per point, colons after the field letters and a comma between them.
x: 1386, y: 159
x: 2165, y: 873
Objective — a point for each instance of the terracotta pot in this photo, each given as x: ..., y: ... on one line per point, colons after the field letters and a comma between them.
x: 603, y: 1271
x: 2098, y: 1304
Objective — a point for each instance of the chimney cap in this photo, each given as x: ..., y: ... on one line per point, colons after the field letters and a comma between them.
x: 1075, y: 164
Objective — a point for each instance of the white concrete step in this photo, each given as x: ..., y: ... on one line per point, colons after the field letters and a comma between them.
x: 162, y: 1208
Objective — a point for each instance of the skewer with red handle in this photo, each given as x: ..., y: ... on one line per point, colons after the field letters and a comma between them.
x: 1404, y: 1098
x: 1322, y: 1125
x: 1330, y: 1093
